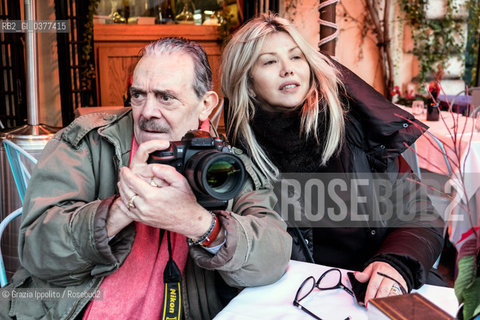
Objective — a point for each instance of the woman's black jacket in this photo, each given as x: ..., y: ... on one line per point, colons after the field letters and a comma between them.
x: 377, y: 133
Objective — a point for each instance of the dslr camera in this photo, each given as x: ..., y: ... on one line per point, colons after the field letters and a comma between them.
x: 215, y: 174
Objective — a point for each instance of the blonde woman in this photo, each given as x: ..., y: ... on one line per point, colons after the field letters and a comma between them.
x: 297, y: 111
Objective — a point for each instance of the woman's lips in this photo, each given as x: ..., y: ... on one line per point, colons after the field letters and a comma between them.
x: 289, y: 86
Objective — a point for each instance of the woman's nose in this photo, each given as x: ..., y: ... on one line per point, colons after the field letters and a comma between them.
x: 287, y: 69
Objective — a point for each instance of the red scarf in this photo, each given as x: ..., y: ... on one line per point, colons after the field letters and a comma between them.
x: 135, y: 290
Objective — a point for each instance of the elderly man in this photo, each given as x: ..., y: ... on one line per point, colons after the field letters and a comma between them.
x: 107, y: 232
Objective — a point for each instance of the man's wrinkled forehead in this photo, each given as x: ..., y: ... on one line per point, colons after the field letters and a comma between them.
x: 154, y: 63
x: 168, y: 67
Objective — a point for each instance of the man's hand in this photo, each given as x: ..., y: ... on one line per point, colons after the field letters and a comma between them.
x: 159, y: 196
x: 379, y: 286
x: 139, y: 164
x: 117, y: 218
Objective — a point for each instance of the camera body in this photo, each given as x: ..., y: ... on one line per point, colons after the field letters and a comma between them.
x: 215, y: 174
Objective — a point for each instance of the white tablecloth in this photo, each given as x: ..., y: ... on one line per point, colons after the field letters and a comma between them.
x: 430, y: 157
x: 275, y: 301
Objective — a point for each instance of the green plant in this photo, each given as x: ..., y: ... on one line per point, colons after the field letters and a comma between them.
x: 471, y: 58
x: 225, y: 23
x: 87, y: 74
x: 435, y: 40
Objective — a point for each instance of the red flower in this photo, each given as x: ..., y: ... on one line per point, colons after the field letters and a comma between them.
x: 434, y: 88
x: 395, y: 91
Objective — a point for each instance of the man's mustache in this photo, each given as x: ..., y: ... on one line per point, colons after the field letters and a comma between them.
x: 152, y: 125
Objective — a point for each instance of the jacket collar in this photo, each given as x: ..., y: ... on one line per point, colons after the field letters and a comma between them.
x: 387, y: 129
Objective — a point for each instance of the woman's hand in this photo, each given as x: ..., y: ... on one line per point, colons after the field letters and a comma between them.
x: 378, y: 285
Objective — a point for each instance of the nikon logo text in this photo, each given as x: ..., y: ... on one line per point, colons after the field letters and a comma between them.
x: 173, y: 299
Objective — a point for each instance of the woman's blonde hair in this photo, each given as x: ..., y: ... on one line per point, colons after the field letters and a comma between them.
x: 238, y: 58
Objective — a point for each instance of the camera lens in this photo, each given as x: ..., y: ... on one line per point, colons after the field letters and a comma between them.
x: 217, y: 174
x: 221, y: 174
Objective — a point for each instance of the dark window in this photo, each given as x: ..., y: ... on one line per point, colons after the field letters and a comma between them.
x: 75, y: 58
x: 13, y: 104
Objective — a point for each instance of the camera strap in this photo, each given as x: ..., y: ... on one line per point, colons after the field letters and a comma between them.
x: 172, y: 293
x: 172, y: 277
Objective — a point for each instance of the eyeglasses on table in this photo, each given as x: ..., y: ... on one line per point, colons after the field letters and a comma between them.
x: 329, y: 280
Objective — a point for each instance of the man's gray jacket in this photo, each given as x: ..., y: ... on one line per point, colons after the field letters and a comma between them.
x: 63, y: 243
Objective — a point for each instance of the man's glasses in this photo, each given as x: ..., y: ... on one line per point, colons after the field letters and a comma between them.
x: 329, y: 280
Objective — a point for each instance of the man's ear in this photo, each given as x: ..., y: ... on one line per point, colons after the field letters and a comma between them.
x: 209, y: 102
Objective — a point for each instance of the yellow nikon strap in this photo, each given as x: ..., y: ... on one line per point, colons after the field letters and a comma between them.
x: 172, y: 278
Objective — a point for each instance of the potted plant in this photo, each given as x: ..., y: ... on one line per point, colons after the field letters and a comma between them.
x: 467, y: 281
